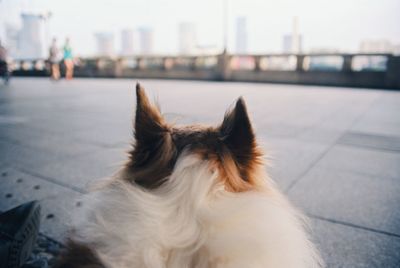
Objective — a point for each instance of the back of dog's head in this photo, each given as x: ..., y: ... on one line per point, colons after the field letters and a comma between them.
x: 230, y: 147
x: 190, y: 196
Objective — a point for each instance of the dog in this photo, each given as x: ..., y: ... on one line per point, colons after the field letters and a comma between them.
x: 190, y: 197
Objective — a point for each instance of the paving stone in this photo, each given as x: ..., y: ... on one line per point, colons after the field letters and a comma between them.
x: 377, y: 127
x: 321, y: 134
x: 33, y: 138
x: 380, y: 118
x: 344, y: 246
x: 268, y: 130
x: 371, y: 141
x: 288, y: 159
x: 18, y: 187
x: 80, y: 171
x: 28, y: 158
x: 362, y: 200
x: 375, y: 163
x: 105, y: 134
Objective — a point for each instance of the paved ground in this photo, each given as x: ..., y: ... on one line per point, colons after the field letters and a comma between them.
x: 334, y: 151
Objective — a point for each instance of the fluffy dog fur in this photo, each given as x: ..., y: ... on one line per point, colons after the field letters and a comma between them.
x: 190, y: 197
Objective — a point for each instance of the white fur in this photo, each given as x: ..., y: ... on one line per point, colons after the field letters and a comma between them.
x: 191, y: 221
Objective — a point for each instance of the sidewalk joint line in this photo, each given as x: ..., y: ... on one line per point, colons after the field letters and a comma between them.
x: 348, y: 224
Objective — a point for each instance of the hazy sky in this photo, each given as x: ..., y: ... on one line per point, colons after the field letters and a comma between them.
x: 340, y: 24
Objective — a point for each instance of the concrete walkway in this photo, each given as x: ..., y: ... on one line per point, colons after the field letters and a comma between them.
x: 334, y: 151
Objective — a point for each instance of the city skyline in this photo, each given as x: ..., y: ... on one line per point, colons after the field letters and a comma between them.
x: 267, y: 22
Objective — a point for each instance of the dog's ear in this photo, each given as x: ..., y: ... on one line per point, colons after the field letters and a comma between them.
x: 154, y: 151
x: 149, y: 123
x: 237, y: 133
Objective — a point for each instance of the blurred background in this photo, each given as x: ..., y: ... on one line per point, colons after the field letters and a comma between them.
x: 158, y: 27
x: 321, y: 80
x: 140, y: 38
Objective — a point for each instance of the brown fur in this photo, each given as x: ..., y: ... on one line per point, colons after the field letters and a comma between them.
x: 153, y: 156
x: 77, y: 255
x: 231, y: 147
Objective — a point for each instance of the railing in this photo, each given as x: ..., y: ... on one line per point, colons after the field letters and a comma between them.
x: 351, y: 70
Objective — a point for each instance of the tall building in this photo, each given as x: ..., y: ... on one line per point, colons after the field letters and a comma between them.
x: 187, y: 38
x: 241, y: 35
x: 296, y: 37
x: 12, y: 40
x: 127, y: 42
x: 146, y: 40
x: 292, y: 43
x: 31, y: 37
x: 105, y: 44
x: 287, y: 43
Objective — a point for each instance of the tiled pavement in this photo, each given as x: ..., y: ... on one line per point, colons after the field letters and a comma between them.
x: 334, y: 151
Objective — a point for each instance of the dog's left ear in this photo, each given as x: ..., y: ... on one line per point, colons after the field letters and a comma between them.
x: 149, y: 123
x: 237, y: 133
x: 153, y: 152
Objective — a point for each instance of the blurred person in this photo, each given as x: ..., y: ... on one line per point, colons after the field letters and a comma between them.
x: 54, y: 60
x: 68, y: 60
x: 4, y: 68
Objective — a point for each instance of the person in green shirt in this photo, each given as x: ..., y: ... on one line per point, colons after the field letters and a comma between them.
x: 68, y: 60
